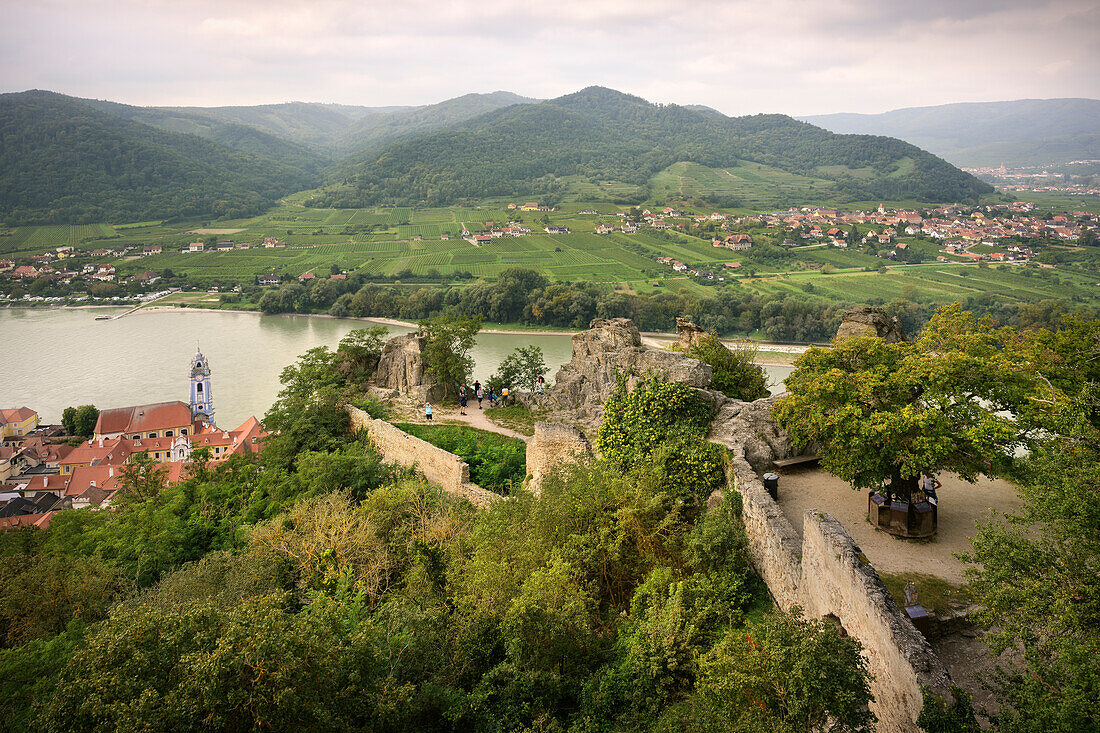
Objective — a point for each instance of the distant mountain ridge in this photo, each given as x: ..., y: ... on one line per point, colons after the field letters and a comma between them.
x: 1020, y: 132
x: 70, y: 160
x: 65, y: 161
x: 600, y: 134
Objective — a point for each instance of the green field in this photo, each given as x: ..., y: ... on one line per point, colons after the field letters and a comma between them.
x: 408, y: 244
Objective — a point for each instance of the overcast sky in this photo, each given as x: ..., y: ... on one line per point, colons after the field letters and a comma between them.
x: 740, y: 57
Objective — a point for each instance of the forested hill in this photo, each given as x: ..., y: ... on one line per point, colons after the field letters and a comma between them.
x: 599, y: 134
x: 237, y: 135
x: 67, y: 162
x: 371, y: 131
x: 1020, y: 132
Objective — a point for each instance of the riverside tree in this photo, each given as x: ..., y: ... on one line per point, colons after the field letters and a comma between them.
x: 447, y: 353
x: 80, y: 420
x: 883, y: 414
x: 521, y: 369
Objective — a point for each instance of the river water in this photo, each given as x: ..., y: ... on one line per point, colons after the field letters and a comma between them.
x: 53, y: 358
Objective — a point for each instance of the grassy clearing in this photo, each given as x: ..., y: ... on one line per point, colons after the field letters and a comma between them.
x: 515, y: 417
x: 937, y: 595
x: 497, y: 462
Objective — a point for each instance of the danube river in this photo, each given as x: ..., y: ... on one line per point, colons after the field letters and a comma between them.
x: 59, y: 357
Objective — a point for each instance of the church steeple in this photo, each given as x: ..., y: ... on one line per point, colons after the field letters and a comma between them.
x: 202, y: 399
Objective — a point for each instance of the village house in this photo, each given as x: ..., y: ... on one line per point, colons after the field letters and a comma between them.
x: 269, y: 279
x: 196, y: 247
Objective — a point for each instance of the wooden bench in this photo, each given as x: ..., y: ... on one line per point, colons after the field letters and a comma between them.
x: 783, y: 463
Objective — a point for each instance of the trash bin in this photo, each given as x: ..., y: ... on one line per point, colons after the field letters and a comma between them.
x: 771, y: 483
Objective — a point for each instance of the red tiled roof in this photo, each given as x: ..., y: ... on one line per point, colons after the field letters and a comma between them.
x: 91, y: 452
x: 142, y: 418
x: 85, y: 477
x: 16, y: 414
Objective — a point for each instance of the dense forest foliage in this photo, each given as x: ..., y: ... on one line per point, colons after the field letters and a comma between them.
x: 604, y: 135
x: 526, y: 296
x: 319, y: 588
x: 66, y: 162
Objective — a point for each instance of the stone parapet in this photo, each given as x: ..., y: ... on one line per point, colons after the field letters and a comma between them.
x: 437, y: 465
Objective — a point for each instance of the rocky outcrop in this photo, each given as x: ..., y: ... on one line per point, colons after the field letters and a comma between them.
x: 690, y: 334
x: 553, y: 445
x: 870, y: 320
x: 401, y: 369
x: 613, y: 346
x: 749, y: 426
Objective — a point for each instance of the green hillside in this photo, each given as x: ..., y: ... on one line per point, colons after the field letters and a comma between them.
x: 370, y: 131
x: 237, y: 135
x: 1017, y: 133
x: 67, y: 162
x: 600, y: 135
x: 315, y: 125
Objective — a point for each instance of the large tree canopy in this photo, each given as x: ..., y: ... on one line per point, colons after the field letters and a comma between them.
x: 887, y: 413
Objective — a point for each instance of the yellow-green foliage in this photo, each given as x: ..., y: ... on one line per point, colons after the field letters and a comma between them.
x: 663, y: 424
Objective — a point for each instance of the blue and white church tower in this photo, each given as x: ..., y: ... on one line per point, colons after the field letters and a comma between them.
x: 202, y: 399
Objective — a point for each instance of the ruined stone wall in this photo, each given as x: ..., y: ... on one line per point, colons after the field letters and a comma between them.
x: 774, y: 546
x: 437, y: 465
x: 552, y: 445
x: 838, y: 579
x: 827, y: 575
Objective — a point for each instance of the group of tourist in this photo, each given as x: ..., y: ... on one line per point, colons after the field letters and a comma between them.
x: 480, y: 393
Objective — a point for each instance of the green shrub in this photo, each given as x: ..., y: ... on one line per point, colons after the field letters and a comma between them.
x: 638, y: 422
x: 662, y: 426
x: 736, y: 374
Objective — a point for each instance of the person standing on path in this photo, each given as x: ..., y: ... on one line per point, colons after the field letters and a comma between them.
x: 542, y: 382
x: 480, y: 393
x: 462, y: 402
x: 428, y: 411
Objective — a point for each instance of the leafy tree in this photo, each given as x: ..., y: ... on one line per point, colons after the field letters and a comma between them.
x: 736, y: 374
x: 661, y: 426
x: 358, y: 352
x: 1035, y: 576
x: 936, y: 716
x: 142, y: 477
x: 520, y: 369
x: 307, y: 414
x: 788, y: 674
x: 887, y: 413
x: 447, y: 352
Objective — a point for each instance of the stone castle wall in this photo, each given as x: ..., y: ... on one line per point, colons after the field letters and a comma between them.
x: 827, y: 575
x: 553, y: 445
x: 838, y: 580
x: 774, y: 545
x: 437, y: 465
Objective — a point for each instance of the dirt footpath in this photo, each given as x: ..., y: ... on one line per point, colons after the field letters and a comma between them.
x: 961, y: 506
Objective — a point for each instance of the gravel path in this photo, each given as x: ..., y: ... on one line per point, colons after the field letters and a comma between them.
x: 475, y: 418
x: 961, y: 506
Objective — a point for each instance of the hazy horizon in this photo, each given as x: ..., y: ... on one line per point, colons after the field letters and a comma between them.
x: 738, y: 57
x: 459, y: 93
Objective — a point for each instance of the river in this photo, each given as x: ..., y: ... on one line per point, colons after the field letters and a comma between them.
x: 53, y: 358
